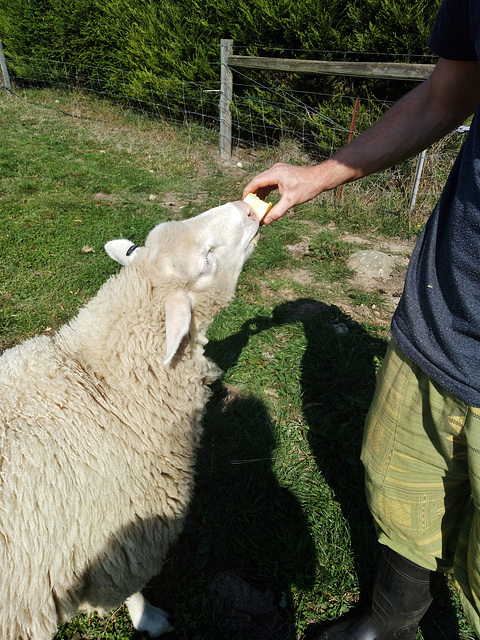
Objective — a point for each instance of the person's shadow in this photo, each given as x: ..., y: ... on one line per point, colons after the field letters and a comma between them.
x: 241, y: 518
x: 246, y: 539
x: 243, y: 526
x: 338, y: 382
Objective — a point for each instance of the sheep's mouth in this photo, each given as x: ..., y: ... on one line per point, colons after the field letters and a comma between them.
x: 255, y: 239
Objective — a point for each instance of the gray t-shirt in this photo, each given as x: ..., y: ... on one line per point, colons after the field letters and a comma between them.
x: 437, y: 322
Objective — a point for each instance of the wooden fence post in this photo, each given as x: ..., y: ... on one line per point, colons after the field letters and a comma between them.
x: 3, y: 66
x: 226, y: 93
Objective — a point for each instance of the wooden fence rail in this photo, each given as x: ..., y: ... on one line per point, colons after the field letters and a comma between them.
x: 378, y: 70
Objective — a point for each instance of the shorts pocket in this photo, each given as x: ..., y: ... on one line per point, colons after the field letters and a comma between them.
x: 383, y: 418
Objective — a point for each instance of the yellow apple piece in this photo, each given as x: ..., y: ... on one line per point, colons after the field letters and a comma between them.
x: 260, y: 207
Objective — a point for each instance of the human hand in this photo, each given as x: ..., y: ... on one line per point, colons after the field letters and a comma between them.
x: 295, y: 185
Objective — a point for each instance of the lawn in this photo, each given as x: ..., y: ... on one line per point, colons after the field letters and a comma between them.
x: 279, y: 511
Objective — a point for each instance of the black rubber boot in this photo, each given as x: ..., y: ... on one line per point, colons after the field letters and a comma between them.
x: 402, y: 593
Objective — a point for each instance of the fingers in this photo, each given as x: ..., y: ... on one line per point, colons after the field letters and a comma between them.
x: 283, y: 177
x: 278, y: 210
x: 263, y: 184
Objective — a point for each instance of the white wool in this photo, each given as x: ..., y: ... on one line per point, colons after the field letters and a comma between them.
x: 98, y: 435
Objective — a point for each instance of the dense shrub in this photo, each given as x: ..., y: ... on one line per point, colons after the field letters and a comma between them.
x: 164, y: 42
x: 182, y: 37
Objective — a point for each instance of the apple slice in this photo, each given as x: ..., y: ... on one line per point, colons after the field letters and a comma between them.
x: 260, y: 207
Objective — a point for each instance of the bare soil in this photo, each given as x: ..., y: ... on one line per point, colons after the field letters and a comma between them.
x: 346, y: 295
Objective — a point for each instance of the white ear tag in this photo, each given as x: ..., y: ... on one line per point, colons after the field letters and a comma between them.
x: 123, y: 251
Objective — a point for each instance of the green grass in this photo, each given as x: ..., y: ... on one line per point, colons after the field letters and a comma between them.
x: 279, y: 491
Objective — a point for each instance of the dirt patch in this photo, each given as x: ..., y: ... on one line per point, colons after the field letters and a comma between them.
x: 302, y: 276
x: 171, y: 201
x: 383, y: 289
x: 108, y: 198
x: 175, y: 202
x: 299, y: 250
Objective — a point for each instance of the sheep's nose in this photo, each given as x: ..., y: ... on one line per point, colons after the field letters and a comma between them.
x: 243, y: 206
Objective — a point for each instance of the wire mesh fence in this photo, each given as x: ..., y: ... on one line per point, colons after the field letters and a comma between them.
x: 264, y: 113
x: 176, y: 101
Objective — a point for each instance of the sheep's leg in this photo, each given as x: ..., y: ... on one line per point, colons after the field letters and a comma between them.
x: 146, y: 617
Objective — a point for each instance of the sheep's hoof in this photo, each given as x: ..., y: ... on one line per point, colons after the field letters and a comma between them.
x: 146, y: 617
x: 155, y: 622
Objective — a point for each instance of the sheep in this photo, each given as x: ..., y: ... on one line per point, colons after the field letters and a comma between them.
x: 99, y: 425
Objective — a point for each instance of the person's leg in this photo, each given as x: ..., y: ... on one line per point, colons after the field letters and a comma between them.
x: 402, y: 593
x: 466, y: 566
x: 417, y: 486
x: 416, y: 468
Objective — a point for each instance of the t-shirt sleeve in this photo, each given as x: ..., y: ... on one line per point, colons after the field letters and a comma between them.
x: 451, y: 37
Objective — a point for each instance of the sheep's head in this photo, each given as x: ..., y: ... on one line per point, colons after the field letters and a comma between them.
x: 197, y: 263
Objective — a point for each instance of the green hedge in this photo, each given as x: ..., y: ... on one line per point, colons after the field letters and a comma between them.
x: 173, y: 36
x: 162, y: 43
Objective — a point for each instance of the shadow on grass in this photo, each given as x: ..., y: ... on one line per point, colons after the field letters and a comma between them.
x: 338, y: 383
x: 241, y: 519
x: 243, y: 522
x: 242, y: 528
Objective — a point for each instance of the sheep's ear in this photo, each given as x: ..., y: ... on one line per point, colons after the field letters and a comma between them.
x: 178, y: 313
x: 123, y: 251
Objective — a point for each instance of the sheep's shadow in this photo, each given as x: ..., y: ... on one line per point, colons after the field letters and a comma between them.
x: 246, y: 538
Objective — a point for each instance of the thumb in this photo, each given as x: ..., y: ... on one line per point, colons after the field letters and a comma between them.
x: 278, y: 210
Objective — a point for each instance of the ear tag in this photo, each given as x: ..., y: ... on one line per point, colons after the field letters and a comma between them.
x: 131, y: 250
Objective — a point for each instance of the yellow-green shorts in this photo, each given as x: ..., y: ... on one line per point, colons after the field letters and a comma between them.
x: 421, y: 452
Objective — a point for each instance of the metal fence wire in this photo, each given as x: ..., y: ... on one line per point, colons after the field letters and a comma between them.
x: 263, y: 114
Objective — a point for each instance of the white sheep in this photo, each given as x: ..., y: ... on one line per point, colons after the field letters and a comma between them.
x: 99, y: 425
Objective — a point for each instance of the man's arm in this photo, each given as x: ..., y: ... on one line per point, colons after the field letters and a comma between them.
x: 423, y: 116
